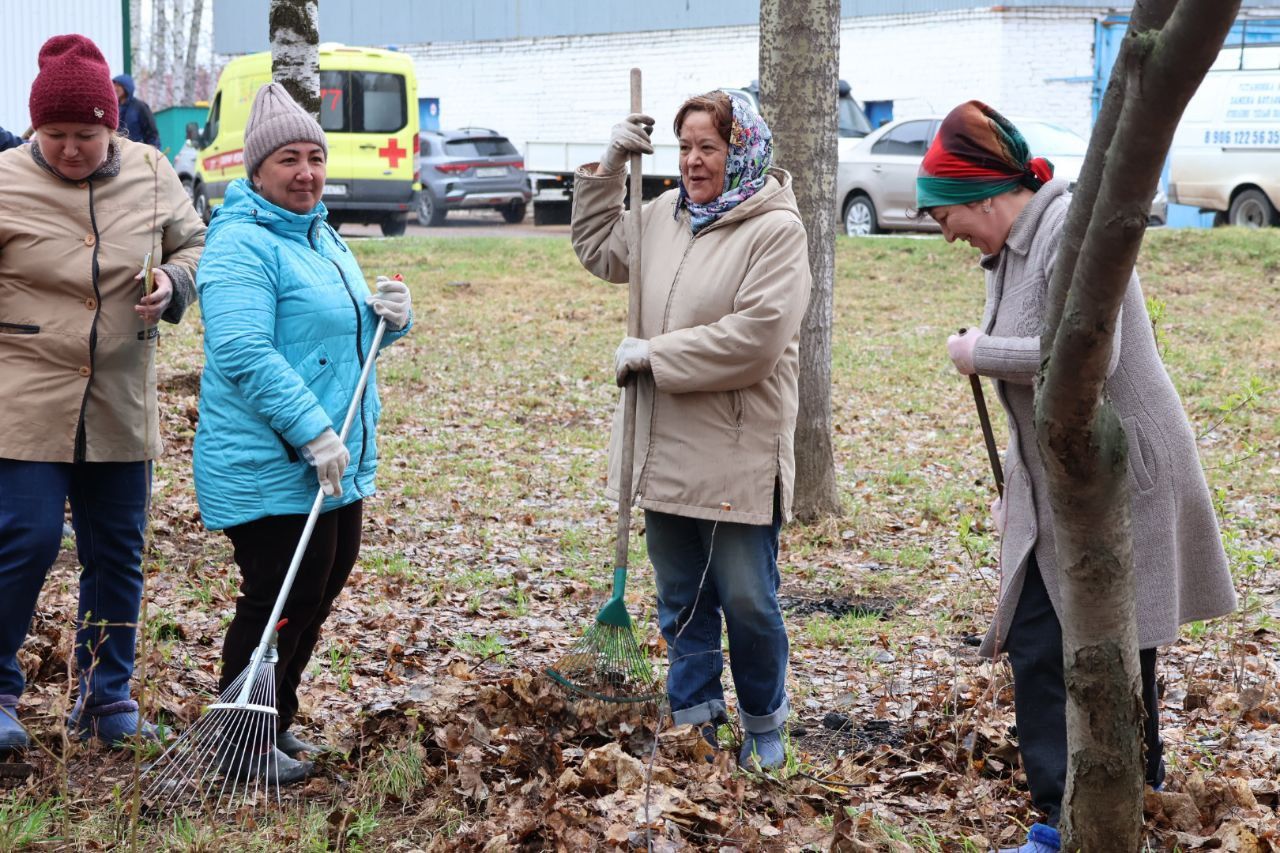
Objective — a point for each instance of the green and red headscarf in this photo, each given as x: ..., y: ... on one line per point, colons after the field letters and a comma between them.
x: 977, y: 154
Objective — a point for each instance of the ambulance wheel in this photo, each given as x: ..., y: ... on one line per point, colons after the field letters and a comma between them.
x: 430, y: 212
x: 200, y: 199
x: 394, y: 224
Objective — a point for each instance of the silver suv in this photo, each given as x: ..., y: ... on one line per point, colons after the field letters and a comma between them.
x: 471, y: 167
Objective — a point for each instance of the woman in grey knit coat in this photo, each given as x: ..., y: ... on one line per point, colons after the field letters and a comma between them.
x: 979, y: 184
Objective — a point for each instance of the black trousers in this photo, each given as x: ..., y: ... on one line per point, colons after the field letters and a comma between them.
x: 1034, y: 646
x: 263, y: 550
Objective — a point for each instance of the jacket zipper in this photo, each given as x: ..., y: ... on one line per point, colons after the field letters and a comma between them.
x: 81, y: 445
x: 364, y: 431
x: 653, y: 405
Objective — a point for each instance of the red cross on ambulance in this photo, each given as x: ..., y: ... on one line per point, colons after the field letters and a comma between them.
x: 393, y: 152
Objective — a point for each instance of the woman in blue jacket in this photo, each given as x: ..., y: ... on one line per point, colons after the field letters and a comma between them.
x: 288, y: 322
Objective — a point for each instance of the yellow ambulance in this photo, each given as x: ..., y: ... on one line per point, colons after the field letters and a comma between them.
x: 369, y: 111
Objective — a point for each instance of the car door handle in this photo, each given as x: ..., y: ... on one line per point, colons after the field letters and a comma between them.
x: 368, y: 147
x: 877, y: 168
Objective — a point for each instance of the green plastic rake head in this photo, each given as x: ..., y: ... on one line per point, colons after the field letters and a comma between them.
x: 608, y: 663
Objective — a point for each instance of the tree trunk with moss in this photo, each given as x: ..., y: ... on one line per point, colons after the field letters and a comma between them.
x: 1166, y: 52
x: 799, y: 85
x: 294, y: 27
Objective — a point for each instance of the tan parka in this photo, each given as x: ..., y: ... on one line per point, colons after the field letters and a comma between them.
x: 1179, y: 565
x: 722, y: 312
x: 77, y: 364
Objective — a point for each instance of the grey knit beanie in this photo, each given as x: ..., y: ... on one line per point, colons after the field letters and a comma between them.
x: 276, y: 120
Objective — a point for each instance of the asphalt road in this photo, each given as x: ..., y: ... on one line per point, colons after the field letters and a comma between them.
x: 466, y: 223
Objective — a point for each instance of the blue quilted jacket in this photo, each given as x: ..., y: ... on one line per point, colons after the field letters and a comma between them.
x: 286, y: 330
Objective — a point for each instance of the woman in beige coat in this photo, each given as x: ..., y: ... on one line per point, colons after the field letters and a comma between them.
x: 979, y: 184
x: 80, y: 207
x: 725, y: 285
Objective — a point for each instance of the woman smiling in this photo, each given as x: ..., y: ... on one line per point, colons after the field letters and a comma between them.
x: 724, y: 287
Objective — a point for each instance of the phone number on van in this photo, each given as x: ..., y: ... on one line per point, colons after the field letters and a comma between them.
x: 1242, y: 137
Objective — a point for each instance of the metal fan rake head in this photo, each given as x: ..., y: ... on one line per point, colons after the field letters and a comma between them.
x: 227, y: 759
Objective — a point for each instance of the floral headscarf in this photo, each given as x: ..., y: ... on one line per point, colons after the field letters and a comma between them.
x: 976, y: 154
x: 745, y: 169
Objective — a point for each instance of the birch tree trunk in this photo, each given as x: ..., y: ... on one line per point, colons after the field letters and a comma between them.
x: 799, y: 84
x: 294, y: 26
x: 178, y: 34
x: 193, y: 52
x: 159, y: 51
x: 1165, y: 54
x: 137, y: 61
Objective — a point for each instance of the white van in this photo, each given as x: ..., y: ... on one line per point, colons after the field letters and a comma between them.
x: 1225, y: 156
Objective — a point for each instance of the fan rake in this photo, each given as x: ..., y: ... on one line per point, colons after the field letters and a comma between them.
x: 607, y: 663
x: 231, y: 748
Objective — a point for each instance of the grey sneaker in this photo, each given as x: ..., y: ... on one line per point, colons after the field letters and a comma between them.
x: 273, y: 767
x: 13, y: 737
x: 293, y: 746
x: 762, y: 751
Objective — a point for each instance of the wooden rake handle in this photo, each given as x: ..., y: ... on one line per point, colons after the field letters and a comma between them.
x: 633, y: 330
x: 993, y: 454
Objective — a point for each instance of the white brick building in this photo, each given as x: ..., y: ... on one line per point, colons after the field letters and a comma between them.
x: 558, y: 69
x: 576, y: 87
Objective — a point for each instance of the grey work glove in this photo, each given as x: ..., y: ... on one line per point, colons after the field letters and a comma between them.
x: 632, y: 357
x: 391, y: 301
x: 998, y: 515
x: 629, y: 136
x: 330, y: 457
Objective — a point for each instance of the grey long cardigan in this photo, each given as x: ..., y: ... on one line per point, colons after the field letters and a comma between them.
x: 1180, y: 566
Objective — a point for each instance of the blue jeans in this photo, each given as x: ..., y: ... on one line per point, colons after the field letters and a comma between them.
x: 108, y: 511
x: 741, y: 566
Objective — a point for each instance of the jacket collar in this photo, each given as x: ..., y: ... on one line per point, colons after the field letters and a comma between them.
x: 242, y: 203
x: 109, y: 169
x: 1025, y: 226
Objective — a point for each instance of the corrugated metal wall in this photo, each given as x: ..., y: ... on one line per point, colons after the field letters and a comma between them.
x: 24, y: 26
x: 240, y: 26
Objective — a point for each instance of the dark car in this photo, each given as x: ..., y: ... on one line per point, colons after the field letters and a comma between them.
x: 470, y: 168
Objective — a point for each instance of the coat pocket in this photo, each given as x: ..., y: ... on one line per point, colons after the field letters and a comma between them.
x: 314, y: 365
x: 1142, y: 461
x: 736, y: 410
x: 18, y: 329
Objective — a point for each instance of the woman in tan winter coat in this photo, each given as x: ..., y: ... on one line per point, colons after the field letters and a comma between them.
x: 724, y: 287
x: 80, y: 208
x: 978, y: 183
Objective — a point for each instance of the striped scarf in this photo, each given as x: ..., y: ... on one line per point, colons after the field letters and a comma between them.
x: 977, y: 154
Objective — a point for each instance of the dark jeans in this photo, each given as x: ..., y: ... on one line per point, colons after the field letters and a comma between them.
x: 109, y: 514
x: 263, y: 551
x: 742, y: 582
x: 1034, y: 646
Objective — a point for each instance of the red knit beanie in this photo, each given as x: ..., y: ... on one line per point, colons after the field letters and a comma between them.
x: 74, y: 85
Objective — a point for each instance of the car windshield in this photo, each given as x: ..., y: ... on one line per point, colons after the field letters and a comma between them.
x: 494, y: 146
x: 1049, y: 139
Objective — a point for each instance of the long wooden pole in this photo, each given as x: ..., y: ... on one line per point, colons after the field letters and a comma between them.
x: 636, y: 194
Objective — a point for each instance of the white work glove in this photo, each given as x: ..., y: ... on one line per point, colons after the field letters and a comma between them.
x: 961, y: 347
x: 997, y: 515
x: 632, y: 357
x: 330, y: 457
x: 629, y: 136
x: 391, y: 301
